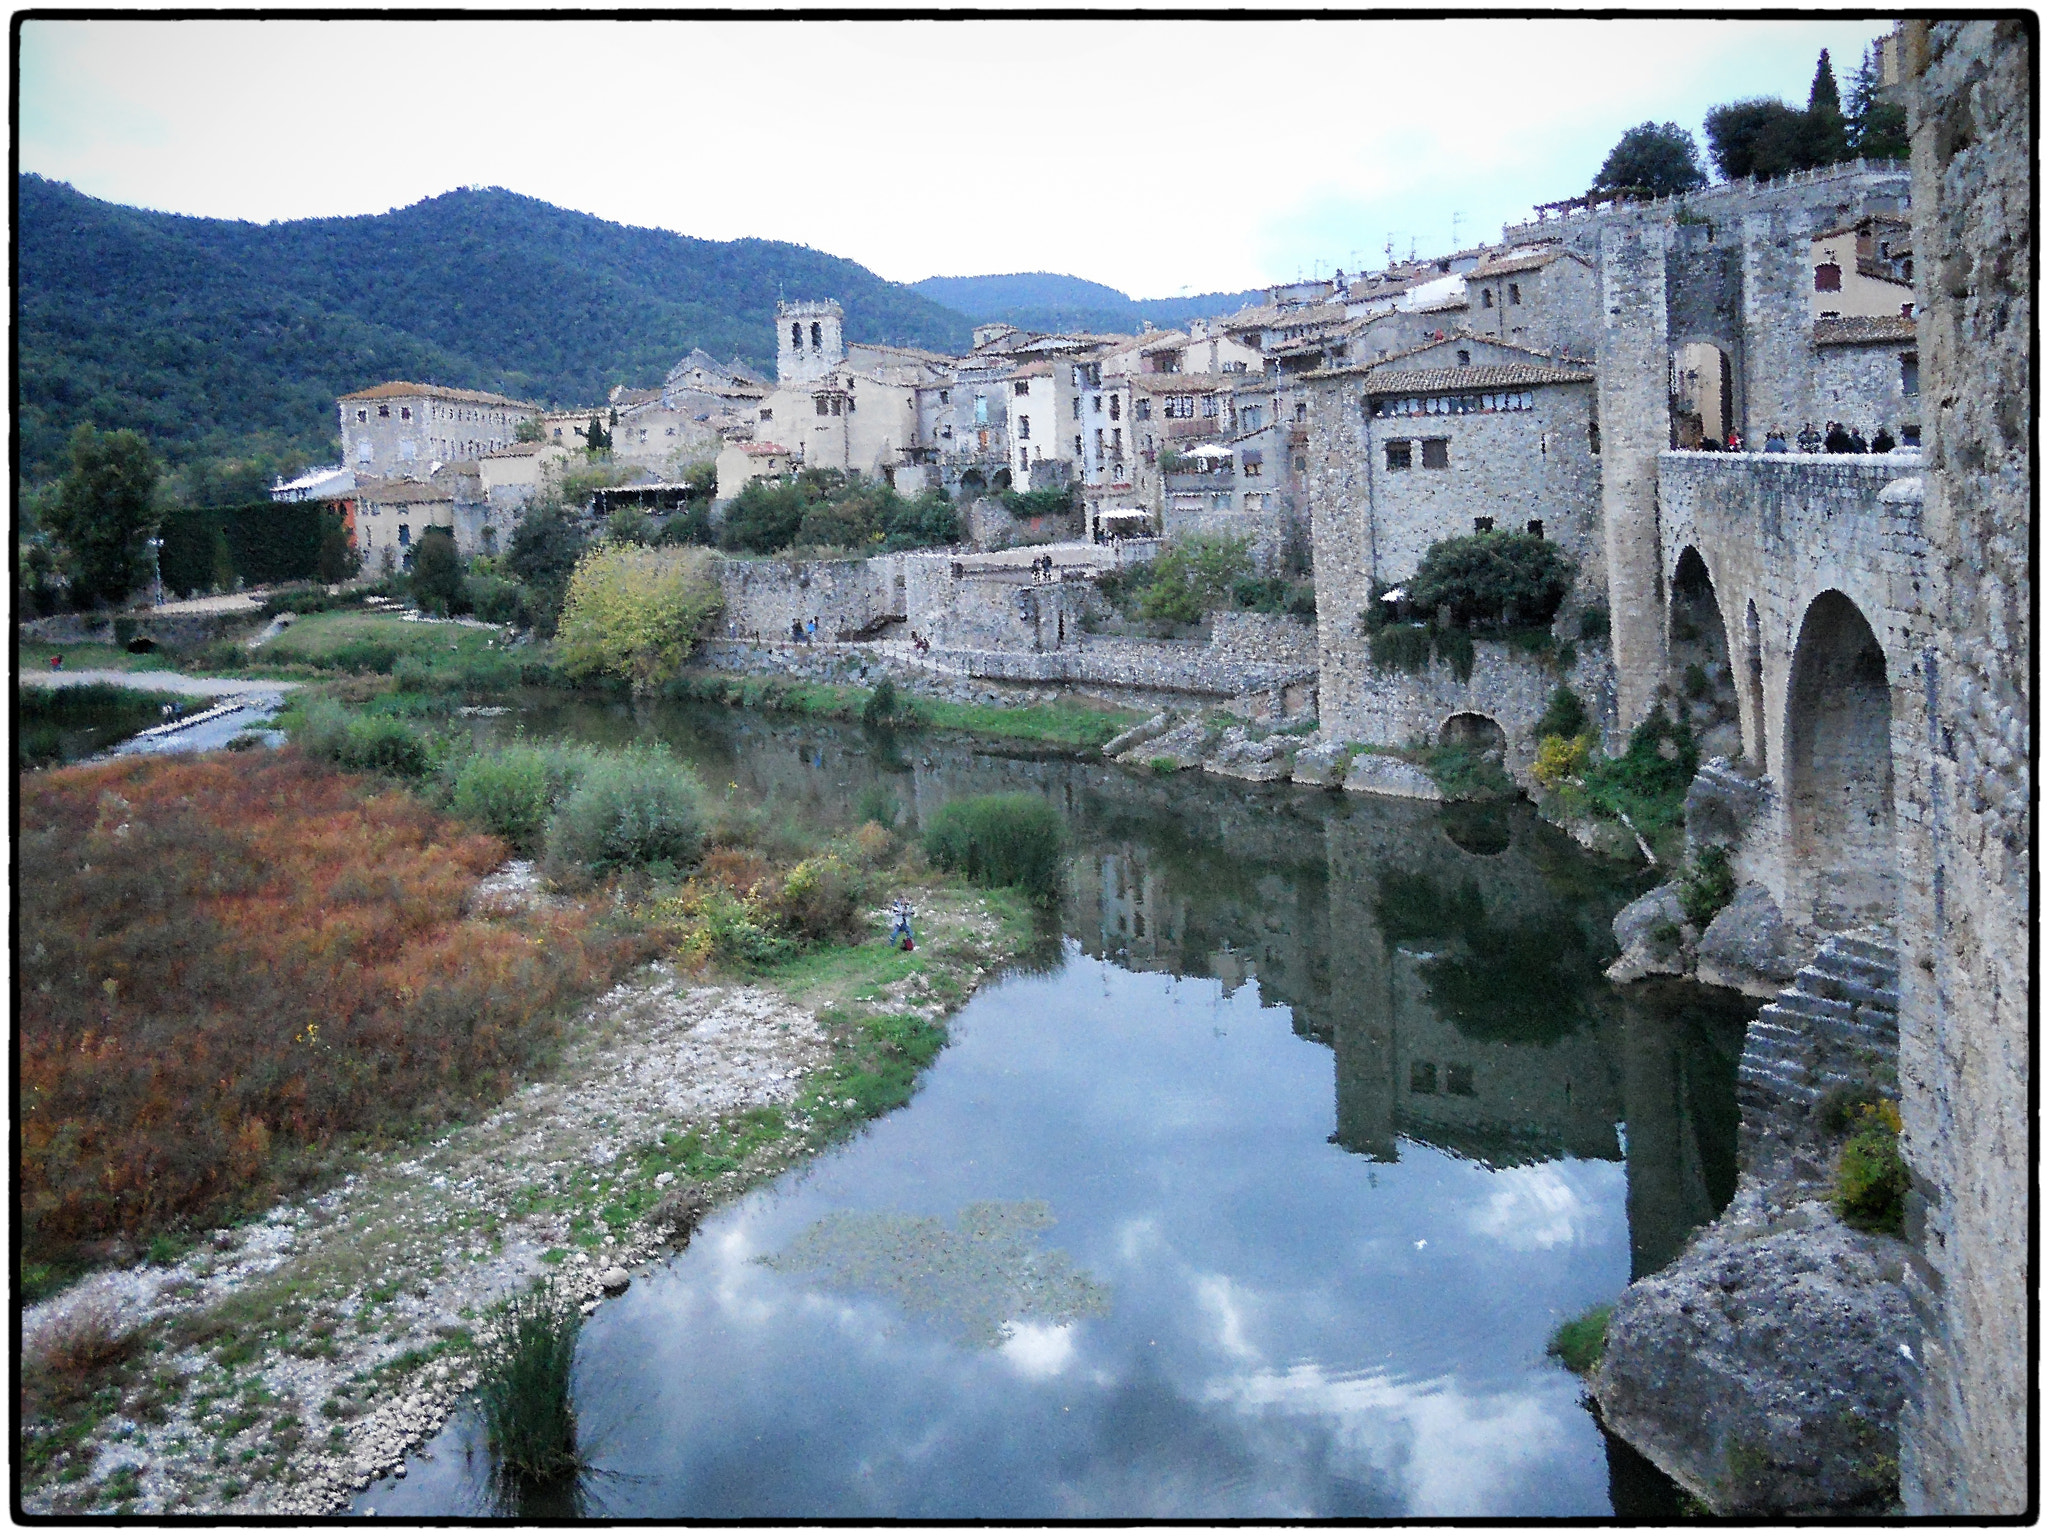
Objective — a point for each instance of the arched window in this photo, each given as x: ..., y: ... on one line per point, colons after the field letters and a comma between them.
x: 796, y: 337
x: 817, y: 336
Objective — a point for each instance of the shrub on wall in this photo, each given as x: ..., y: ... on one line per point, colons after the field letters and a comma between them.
x: 1495, y: 580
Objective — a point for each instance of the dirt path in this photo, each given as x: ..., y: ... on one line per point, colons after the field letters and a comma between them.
x: 292, y: 1360
x: 160, y: 682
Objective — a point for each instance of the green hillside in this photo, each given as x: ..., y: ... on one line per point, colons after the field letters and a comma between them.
x: 220, y: 339
x: 1053, y: 301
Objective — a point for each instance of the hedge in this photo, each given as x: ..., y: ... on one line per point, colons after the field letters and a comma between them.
x: 259, y: 542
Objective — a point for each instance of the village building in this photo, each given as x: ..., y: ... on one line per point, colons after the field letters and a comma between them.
x: 512, y: 477
x: 392, y: 516
x: 741, y: 462
x: 1864, y: 269
x: 400, y: 428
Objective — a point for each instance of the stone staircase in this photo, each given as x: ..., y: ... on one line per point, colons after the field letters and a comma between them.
x: 1835, y: 1026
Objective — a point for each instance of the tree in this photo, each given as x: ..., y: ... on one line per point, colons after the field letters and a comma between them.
x: 338, y: 560
x: 1827, y: 133
x: 1877, y: 128
x: 543, y: 554
x: 104, y: 512
x: 436, y: 572
x: 527, y: 430
x: 595, y: 438
x: 1735, y: 128
x: 638, y: 613
x: 1763, y: 137
x: 1193, y: 575
x: 1652, y: 159
x: 1493, y: 579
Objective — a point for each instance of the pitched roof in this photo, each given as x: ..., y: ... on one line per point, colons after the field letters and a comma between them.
x: 763, y: 450
x: 399, y: 389
x: 1382, y: 380
x: 1180, y: 383
x: 388, y: 491
x: 1524, y: 260
x: 1278, y: 317
x: 1863, y: 330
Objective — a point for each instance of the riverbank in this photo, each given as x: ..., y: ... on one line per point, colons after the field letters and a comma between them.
x: 284, y: 1364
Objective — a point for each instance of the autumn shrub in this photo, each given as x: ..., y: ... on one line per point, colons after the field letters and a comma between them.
x: 636, y: 809
x: 372, y: 743
x: 225, y: 964
x: 1871, y: 1178
x: 637, y: 613
x: 1560, y: 759
x: 820, y: 900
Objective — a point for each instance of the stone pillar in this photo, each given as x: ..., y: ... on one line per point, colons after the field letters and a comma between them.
x: 1965, y: 824
x: 1635, y: 426
x: 1777, y: 323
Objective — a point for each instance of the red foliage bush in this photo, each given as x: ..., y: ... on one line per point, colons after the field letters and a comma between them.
x: 225, y: 962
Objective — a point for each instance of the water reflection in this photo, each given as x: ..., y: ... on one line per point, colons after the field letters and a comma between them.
x: 1323, y: 1109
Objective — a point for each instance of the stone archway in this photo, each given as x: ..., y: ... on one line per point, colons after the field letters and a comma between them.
x: 1696, y: 653
x: 1478, y: 734
x: 1002, y: 480
x: 973, y: 483
x: 1702, y: 395
x: 1838, y: 769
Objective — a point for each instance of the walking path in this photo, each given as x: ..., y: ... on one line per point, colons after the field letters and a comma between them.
x: 159, y: 682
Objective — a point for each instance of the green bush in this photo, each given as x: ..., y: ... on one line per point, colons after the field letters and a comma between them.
x: 1455, y: 650
x: 364, y: 743
x: 637, y: 613
x: 1871, y: 1179
x: 1706, y: 885
x: 639, y: 809
x: 1401, y: 647
x: 1647, y: 782
x: 507, y: 792
x: 999, y: 840
x: 821, y: 899
x: 1193, y: 575
x: 523, y: 1389
x: 1053, y: 503
x: 1496, y: 580
x: 495, y: 599
x: 436, y: 581
x: 881, y: 706
x: 1580, y: 1342
x: 1593, y: 624
x: 1564, y: 715
x: 363, y: 656
x: 1697, y: 684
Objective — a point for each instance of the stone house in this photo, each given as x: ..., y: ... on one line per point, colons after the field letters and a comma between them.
x: 1866, y: 372
x: 401, y: 428
x: 1544, y: 297
x: 1864, y: 268
x: 393, y: 515
x: 511, y: 477
x: 740, y: 462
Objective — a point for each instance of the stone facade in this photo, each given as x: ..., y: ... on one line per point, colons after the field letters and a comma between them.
x: 401, y: 429
x: 1964, y: 762
x: 763, y: 598
x: 1866, y: 384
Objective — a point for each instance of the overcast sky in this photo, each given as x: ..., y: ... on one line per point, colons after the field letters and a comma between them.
x: 1158, y: 157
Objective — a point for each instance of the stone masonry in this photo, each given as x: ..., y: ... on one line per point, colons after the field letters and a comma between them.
x: 1964, y: 764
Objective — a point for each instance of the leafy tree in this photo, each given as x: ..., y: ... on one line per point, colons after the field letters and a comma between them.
x: 1654, y: 159
x: 104, y: 512
x: 1764, y: 137
x: 763, y: 518
x: 338, y: 561
x: 1877, y: 128
x: 1193, y: 575
x: 542, y: 556
x: 527, y: 430
x: 1493, y: 579
x: 638, y: 613
x: 437, y: 572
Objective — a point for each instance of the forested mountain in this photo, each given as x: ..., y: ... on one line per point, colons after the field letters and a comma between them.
x: 1053, y: 301
x: 222, y: 339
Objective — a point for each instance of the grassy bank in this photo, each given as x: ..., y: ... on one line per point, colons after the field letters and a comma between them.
x: 1067, y: 724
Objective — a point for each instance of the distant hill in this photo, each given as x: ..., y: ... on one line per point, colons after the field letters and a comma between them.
x: 220, y: 338
x: 1053, y: 301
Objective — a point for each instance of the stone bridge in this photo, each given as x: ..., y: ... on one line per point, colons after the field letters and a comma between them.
x: 1792, y: 589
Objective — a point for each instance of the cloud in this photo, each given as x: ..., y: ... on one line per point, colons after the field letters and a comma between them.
x: 1539, y: 1207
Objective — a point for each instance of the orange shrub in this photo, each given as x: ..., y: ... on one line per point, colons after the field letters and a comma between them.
x: 227, y: 961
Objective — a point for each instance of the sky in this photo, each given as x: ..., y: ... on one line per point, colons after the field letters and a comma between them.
x: 1159, y: 157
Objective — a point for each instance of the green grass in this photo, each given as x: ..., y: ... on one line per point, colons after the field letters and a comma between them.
x: 1078, y: 727
x: 999, y: 840
x: 1579, y: 1342
x: 341, y: 641
x: 91, y: 655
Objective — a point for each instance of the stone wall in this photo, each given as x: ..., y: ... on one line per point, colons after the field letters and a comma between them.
x: 1378, y: 707
x: 846, y: 597
x: 1964, y: 767
x: 1863, y: 386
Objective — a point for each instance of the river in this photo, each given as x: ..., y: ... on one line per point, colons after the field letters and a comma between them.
x: 1258, y: 1194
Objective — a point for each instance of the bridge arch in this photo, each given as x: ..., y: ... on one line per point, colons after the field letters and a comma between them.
x: 1696, y: 658
x: 1837, y: 773
x: 1474, y: 732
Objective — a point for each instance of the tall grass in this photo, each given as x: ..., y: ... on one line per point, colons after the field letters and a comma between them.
x: 523, y: 1391
x: 999, y: 840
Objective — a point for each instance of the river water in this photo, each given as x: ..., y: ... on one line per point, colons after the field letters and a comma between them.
x: 1259, y: 1193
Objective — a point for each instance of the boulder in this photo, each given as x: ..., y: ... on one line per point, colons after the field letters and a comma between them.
x: 1184, y: 746
x: 1765, y: 1368
x: 1238, y: 757
x: 1723, y: 740
x: 1322, y: 764
x: 1137, y: 735
x: 1748, y: 946
x: 1651, y: 931
x: 1375, y: 773
x: 614, y: 1280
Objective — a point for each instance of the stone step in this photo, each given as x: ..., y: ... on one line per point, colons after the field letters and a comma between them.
x: 1765, y: 1089
x: 1870, y: 973
x: 1881, y: 951
x: 1844, y: 989
x: 1814, y: 1004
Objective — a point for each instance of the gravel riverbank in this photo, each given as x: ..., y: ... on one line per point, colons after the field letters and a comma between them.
x: 284, y: 1364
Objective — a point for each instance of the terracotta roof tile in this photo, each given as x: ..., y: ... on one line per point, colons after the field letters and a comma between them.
x: 1382, y: 380
x: 1863, y: 330
x: 400, y: 389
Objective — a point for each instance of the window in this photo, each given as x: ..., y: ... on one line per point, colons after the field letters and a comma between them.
x: 1098, y: 446
x: 1253, y: 468
x: 766, y: 415
x: 837, y: 403
x: 405, y: 533
x: 1464, y: 358
x: 1909, y: 372
x: 643, y: 434
x: 1827, y: 278
x: 1098, y: 443
x: 981, y: 414
x: 1400, y: 455
x: 1482, y: 525
x: 1116, y: 439
x: 362, y: 415
x: 405, y: 413
x: 1458, y: 1079
x: 1116, y: 407
x: 1436, y: 453
x: 796, y: 338
x: 1422, y: 1077
x: 1252, y: 418
x: 490, y: 541
x: 1142, y: 411
x: 983, y: 441
x: 1077, y: 407
x: 817, y: 337
x: 1023, y: 429
x: 1514, y: 293
x: 1535, y: 527
x: 945, y: 397
x: 1208, y: 405
x: 558, y: 430
x: 1593, y: 434
x: 1910, y: 436
x: 1486, y: 298
x: 819, y: 402
x: 1097, y: 407
x: 668, y: 431
x: 1301, y: 410
x: 1022, y: 387
x: 383, y: 410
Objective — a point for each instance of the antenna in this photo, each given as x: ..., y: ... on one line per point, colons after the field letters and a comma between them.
x: 1390, y: 250
x: 1455, y: 218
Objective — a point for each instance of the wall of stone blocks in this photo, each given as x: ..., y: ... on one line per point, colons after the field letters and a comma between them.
x: 1863, y: 386
x: 763, y: 597
x: 1964, y: 775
